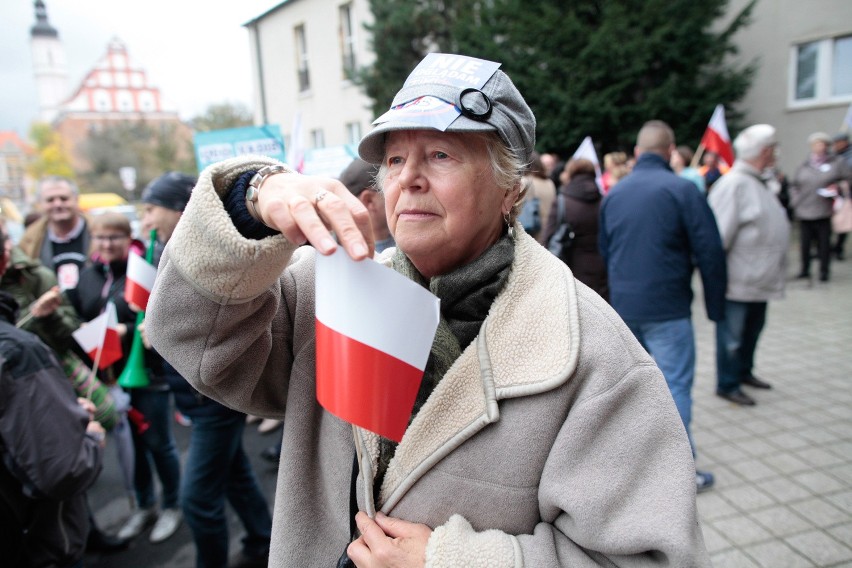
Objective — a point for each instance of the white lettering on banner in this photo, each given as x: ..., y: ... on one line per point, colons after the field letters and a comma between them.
x: 211, y: 153
x: 263, y: 146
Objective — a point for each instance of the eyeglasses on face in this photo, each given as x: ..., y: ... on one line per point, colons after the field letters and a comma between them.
x: 110, y: 238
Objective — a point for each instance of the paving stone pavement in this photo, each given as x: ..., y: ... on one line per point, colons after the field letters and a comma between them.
x: 783, y: 494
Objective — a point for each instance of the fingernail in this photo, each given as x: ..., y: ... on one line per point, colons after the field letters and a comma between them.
x: 359, y: 249
x: 328, y: 244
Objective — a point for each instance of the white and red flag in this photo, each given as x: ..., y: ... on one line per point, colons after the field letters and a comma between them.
x: 374, y: 331
x: 716, y: 138
x: 99, y: 338
x: 140, y: 280
x: 586, y: 150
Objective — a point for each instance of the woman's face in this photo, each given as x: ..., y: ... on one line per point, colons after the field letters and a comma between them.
x: 443, y: 205
x: 110, y: 244
x: 819, y: 147
x: 676, y: 161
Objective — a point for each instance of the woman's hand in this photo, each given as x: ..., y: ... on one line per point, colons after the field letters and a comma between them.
x: 307, y: 209
x: 47, y: 303
x: 388, y: 542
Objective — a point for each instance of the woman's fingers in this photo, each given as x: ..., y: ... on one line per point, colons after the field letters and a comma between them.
x: 309, y: 209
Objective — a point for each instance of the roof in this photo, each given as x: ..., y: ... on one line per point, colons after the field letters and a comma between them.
x: 11, y: 138
x: 275, y: 8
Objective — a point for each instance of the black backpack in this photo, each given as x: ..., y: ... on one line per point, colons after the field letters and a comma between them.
x: 562, y: 239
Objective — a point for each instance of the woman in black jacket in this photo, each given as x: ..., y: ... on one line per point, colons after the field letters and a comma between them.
x: 102, y: 282
x: 581, y: 202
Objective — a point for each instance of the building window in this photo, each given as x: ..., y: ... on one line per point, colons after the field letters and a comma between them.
x: 347, y: 41
x: 146, y: 101
x: 102, y: 100
x: 353, y: 132
x: 317, y: 138
x: 302, y: 59
x: 125, y: 101
x: 822, y: 71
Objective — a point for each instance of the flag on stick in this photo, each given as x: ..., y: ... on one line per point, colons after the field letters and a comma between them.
x: 99, y: 338
x: 370, y: 357
x: 586, y: 151
x: 140, y: 280
x: 716, y: 138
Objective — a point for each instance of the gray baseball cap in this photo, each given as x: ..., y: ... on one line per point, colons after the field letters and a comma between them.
x: 497, y: 107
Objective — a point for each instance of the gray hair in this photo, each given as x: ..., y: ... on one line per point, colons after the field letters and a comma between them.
x: 506, y: 168
x: 751, y: 141
x: 57, y: 179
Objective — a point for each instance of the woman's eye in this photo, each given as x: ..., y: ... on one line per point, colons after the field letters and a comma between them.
x: 441, y: 155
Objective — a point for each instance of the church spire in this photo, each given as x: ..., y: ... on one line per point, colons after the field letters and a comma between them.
x: 42, y: 27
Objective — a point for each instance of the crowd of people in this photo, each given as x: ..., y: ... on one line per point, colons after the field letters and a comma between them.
x: 66, y: 270
x: 543, y: 373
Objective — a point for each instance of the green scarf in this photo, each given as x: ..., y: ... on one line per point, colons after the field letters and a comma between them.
x: 466, y: 295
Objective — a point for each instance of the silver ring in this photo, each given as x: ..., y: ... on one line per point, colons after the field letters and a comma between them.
x: 320, y: 196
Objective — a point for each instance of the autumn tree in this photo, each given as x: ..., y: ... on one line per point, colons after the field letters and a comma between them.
x: 222, y: 115
x: 51, y: 157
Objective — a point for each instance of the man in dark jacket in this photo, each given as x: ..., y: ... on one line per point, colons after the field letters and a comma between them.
x: 47, y: 464
x: 217, y: 467
x: 654, y: 229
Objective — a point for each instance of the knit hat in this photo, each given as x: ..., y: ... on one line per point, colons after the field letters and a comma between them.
x: 170, y: 190
x: 358, y: 176
x: 456, y: 93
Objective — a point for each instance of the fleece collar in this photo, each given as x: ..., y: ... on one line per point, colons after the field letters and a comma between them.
x: 521, y: 350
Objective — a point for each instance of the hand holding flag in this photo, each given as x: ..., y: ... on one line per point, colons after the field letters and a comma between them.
x: 370, y: 356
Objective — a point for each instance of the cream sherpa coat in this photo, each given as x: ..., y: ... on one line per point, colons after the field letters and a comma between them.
x: 552, y: 440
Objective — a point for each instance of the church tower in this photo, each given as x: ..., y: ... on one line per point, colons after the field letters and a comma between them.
x: 49, y: 65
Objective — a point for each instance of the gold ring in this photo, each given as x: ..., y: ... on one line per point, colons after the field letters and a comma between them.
x: 320, y: 196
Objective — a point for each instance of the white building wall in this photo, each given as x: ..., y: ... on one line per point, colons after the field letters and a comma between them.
x: 777, y: 27
x: 332, y: 101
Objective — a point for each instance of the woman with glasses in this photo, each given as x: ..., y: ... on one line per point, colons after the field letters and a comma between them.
x: 102, y: 282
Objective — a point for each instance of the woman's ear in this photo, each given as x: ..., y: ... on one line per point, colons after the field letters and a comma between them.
x: 511, y: 198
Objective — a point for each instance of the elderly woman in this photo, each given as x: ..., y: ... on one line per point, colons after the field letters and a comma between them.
x: 543, y: 434
x: 816, y: 183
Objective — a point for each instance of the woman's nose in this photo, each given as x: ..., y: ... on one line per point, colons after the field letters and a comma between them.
x: 410, y: 176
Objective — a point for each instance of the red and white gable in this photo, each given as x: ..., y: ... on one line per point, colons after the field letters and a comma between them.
x: 115, y: 84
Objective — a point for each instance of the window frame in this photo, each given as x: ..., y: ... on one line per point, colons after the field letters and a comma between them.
x: 346, y: 33
x: 303, y: 75
x: 824, y: 77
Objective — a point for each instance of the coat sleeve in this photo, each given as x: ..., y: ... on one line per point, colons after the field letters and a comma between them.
x: 42, y: 426
x: 618, y: 489
x: 707, y: 250
x: 56, y: 328
x: 222, y: 307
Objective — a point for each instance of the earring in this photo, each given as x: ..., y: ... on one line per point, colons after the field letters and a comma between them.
x: 511, y: 229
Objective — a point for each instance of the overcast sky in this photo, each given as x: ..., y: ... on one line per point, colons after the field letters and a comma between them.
x: 196, y: 52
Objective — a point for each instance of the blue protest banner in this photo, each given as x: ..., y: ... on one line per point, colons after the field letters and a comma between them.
x: 218, y: 145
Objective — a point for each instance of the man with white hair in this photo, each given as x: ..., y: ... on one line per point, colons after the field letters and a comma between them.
x: 755, y: 234
x: 60, y: 239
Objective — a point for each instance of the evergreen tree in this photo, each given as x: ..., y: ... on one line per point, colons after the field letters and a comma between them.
x: 586, y: 67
